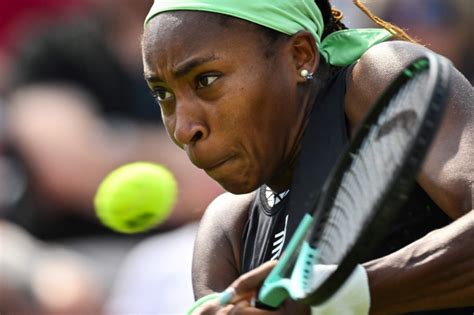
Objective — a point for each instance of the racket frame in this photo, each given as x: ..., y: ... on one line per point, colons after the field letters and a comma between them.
x: 394, y: 197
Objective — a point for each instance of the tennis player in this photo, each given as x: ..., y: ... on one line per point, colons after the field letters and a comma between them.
x: 263, y: 95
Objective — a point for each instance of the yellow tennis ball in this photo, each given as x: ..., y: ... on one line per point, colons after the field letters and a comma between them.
x: 135, y: 197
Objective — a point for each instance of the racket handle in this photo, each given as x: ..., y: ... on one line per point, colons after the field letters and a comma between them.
x: 276, y: 289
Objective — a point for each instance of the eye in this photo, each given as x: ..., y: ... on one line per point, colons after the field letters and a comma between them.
x: 206, y: 80
x: 161, y: 94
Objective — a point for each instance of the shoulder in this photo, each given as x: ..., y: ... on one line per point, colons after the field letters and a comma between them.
x: 376, y: 68
x: 227, y: 211
x: 216, y: 261
x: 384, y: 61
x: 226, y: 217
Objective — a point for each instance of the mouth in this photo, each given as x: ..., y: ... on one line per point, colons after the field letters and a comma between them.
x: 204, y: 162
x: 216, y: 165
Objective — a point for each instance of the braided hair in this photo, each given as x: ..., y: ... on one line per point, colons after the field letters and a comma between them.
x: 332, y: 20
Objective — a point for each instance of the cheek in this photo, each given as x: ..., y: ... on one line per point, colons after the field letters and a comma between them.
x: 275, y: 118
x: 252, y: 127
x: 266, y: 114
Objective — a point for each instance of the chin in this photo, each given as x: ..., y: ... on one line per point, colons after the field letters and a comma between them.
x: 236, y: 178
x: 238, y: 187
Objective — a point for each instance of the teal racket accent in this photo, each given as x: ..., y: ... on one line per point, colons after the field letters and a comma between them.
x: 277, y: 287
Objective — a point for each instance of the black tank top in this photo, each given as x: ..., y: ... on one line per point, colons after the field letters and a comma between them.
x: 272, y: 221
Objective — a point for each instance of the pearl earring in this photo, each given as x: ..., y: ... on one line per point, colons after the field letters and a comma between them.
x: 306, y: 74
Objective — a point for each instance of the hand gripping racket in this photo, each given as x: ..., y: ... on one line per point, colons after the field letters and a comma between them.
x: 366, y: 189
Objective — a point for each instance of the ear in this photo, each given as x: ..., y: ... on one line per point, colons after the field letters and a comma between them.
x: 305, y: 53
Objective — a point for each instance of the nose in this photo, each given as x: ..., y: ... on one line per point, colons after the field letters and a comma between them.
x: 190, y: 124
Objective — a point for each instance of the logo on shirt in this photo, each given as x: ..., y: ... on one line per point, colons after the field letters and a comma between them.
x: 279, y: 241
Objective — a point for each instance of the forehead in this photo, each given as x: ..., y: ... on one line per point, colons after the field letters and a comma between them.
x: 183, y: 34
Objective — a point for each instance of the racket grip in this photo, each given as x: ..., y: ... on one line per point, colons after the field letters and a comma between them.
x: 276, y: 289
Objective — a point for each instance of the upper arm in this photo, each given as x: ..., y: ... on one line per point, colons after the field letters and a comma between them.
x: 447, y: 173
x: 216, y: 260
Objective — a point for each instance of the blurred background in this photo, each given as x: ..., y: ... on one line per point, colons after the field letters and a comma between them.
x: 74, y: 106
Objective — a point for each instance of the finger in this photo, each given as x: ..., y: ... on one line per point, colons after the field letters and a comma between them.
x: 226, y: 310
x: 253, y: 279
x: 208, y: 308
x: 246, y: 286
x: 230, y: 295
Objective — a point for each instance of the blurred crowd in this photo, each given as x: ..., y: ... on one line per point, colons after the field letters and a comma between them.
x: 74, y: 106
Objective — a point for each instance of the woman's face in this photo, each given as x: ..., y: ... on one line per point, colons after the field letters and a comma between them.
x: 230, y: 106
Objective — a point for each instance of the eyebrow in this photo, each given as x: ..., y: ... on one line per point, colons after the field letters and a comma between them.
x: 184, y: 68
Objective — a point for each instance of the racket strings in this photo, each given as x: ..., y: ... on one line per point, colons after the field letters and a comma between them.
x: 369, y: 174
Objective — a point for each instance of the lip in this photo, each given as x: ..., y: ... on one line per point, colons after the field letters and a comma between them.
x: 204, y: 162
x: 217, y: 165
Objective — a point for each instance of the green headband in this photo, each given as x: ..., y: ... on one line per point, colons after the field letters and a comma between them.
x: 289, y: 17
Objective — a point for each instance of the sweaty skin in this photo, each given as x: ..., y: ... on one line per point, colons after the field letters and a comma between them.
x: 239, y: 116
x: 222, y: 105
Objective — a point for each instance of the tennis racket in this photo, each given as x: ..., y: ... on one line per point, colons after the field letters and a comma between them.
x: 366, y: 189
